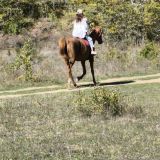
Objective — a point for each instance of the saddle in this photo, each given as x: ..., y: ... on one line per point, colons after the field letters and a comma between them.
x: 84, y: 41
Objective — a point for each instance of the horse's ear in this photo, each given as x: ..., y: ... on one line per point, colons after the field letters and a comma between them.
x: 93, y: 30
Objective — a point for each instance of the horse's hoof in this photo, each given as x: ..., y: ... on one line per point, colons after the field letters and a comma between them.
x: 75, y: 85
x: 96, y: 84
x: 72, y: 87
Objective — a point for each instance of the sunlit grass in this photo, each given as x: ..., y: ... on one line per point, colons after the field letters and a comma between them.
x: 50, y: 127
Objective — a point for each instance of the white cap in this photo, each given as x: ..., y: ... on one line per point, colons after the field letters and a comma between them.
x: 79, y: 11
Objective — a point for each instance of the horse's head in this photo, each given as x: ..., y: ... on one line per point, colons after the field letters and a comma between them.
x: 96, y: 35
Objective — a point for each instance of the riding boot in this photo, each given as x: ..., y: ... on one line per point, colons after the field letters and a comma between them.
x: 93, y: 51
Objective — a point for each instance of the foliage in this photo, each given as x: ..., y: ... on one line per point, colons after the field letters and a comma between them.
x: 152, y: 21
x: 150, y: 51
x: 108, y: 103
x: 15, y: 23
x: 16, y: 15
x: 120, y: 20
x: 124, y: 20
x: 101, y: 101
x: 24, y: 58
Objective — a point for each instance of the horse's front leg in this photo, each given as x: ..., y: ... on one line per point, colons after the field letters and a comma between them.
x: 91, y: 60
x: 84, y: 71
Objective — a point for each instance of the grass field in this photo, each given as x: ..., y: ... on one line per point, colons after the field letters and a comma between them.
x: 51, y: 127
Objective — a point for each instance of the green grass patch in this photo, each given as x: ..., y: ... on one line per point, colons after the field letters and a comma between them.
x: 50, y: 127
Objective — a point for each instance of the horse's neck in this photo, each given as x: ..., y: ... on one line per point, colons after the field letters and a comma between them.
x: 93, y: 38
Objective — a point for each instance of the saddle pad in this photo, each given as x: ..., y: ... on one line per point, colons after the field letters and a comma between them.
x: 85, y: 42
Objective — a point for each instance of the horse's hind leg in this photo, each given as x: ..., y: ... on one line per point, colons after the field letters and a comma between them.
x: 69, y: 67
x: 91, y: 60
x: 84, y: 70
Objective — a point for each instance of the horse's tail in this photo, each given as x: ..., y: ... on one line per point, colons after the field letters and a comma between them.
x: 62, y: 46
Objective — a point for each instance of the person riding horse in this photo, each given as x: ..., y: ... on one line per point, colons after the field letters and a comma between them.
x: 73, y: 48
x: 80, y: 29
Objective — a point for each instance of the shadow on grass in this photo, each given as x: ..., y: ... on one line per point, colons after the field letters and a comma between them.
x: 106, y: 83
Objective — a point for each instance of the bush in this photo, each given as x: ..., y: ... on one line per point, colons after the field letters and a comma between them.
x: 105, y: 102
x: 101, y: 101
x: 24, y: 58
x: 150, y: 51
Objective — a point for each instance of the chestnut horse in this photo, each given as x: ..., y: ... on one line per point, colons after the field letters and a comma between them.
x: 73, y: 49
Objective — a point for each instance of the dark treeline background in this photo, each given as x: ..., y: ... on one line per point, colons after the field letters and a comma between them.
x: 134, y: 20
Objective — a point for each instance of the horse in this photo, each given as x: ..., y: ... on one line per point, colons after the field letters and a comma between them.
x: 73, y: 49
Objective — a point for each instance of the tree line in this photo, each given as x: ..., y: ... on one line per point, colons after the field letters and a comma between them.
x: 121, y: 19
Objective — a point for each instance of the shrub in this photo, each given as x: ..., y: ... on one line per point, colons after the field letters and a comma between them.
x: 24, y: 58
x: 100, y: 101
x: 105, y: 102
x: 150, y: 51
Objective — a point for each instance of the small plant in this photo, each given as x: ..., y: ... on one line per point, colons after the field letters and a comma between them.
x: 150, y: 51
x: 24, y: 58
x: 101, y: 101
x: 105, y: 102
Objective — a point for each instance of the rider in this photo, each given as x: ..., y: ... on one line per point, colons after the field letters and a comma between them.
x: 80, y: 28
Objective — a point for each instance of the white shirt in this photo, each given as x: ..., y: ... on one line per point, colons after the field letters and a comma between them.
x: 80, y: 28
